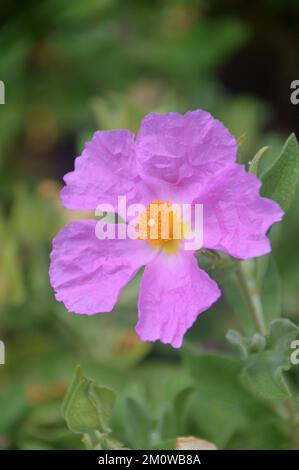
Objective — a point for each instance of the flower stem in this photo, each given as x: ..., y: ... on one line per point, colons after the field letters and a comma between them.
x: 253, y: 301
x: 252, y: 297
x: 293, y: 420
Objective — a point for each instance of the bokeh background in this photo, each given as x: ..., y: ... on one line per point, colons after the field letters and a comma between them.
x: 71, y: 67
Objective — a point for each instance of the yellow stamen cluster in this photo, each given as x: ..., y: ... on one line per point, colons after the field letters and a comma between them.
x: 160, y: 225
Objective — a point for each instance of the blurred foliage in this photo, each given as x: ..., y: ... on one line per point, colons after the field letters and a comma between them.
x: 70, y: 68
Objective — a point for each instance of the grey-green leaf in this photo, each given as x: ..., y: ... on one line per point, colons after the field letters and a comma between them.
x: 254, y: 164
x: 280, y: 181
x: 87, y: 407
x: 238, y: 340
x: 263, y: 372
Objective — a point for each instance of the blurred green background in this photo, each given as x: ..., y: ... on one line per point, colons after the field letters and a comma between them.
x: 69, y: 68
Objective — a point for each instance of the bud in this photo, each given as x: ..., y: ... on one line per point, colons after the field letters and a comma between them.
x: 87, y: 407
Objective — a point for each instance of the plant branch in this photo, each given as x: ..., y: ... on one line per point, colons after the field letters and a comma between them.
x: 252, y: 300
x: 256, y: 311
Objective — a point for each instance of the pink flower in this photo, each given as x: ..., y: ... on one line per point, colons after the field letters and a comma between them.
x: 179, y: 158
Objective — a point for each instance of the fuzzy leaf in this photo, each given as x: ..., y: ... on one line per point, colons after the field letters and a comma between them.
x: 280, y: 181
x: 87, y: 407
x: 263, y: 372
x: 238, y: 340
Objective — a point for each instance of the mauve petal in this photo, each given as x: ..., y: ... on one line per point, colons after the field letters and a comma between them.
x: 173, y: 292
x: 178, y: 154
x: 105, y: 170
x: 87, y: 273
x: 236, y: 218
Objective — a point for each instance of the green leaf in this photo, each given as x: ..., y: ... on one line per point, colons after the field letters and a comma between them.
x: 282, y: 333
x: 246, y: 345
x: 103, y: 399
x: 167, y: 423
x: 263, y: 376
x: 220, y: 404
x: 254, y: 164
x: 263, y: 433
x: 263, y: 372
x: 242, y: 343
x: 270, y: 288
x: 280, y: 181
x: 87, y: 407
x: 181, y: 407
x: 137, y: 424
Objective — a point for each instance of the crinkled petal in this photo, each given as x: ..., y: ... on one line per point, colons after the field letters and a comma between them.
x: 236, y: 218
x: 105, y: 170
x: 87, y: 273
x: 178, y: 154
x: 173, y: 292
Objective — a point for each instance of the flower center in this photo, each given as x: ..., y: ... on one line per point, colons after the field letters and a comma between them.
x: 161, y: 225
